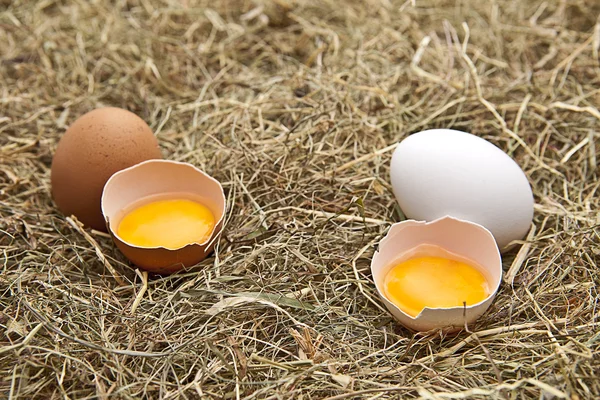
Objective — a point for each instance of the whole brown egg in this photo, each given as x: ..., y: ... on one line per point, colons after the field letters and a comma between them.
x: 98, y: 144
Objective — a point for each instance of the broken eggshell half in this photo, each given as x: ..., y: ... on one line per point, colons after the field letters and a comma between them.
x: 444, y: 237
x: 155, y: 179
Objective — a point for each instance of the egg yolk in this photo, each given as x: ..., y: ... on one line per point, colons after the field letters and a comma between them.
x: 434, y: 282
x: 171, y: 223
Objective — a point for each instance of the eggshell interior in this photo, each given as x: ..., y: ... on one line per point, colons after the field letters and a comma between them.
x: 445, y: 237
x: 154, y: 179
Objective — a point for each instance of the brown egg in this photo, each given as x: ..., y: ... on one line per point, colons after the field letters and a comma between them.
x: 93, y: 148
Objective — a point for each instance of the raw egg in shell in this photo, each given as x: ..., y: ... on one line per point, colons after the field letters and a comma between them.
x: 164, y: 215
x: 441, y: 274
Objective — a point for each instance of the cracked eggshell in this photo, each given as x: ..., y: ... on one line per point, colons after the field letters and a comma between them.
x: 445, y: 237
x: 159, y: 179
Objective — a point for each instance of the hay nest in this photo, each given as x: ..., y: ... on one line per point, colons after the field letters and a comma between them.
x: 295, y: 106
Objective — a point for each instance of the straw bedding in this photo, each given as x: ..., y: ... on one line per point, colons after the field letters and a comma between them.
x: 295, y: 107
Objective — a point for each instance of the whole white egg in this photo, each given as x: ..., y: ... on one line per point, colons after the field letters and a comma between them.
x: 445, y: 172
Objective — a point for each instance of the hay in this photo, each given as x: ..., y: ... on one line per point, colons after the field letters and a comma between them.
x: 295, y: 107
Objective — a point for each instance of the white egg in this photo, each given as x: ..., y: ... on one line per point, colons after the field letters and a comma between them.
x: 444, y: 172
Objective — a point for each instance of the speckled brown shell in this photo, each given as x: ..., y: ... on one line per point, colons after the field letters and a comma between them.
x: 95, y: 146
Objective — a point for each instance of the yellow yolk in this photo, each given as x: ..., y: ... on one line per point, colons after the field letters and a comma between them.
x: 171, y: 223
x: 434, y: 282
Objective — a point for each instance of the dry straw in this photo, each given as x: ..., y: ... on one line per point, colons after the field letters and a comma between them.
x: 296, y: 106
